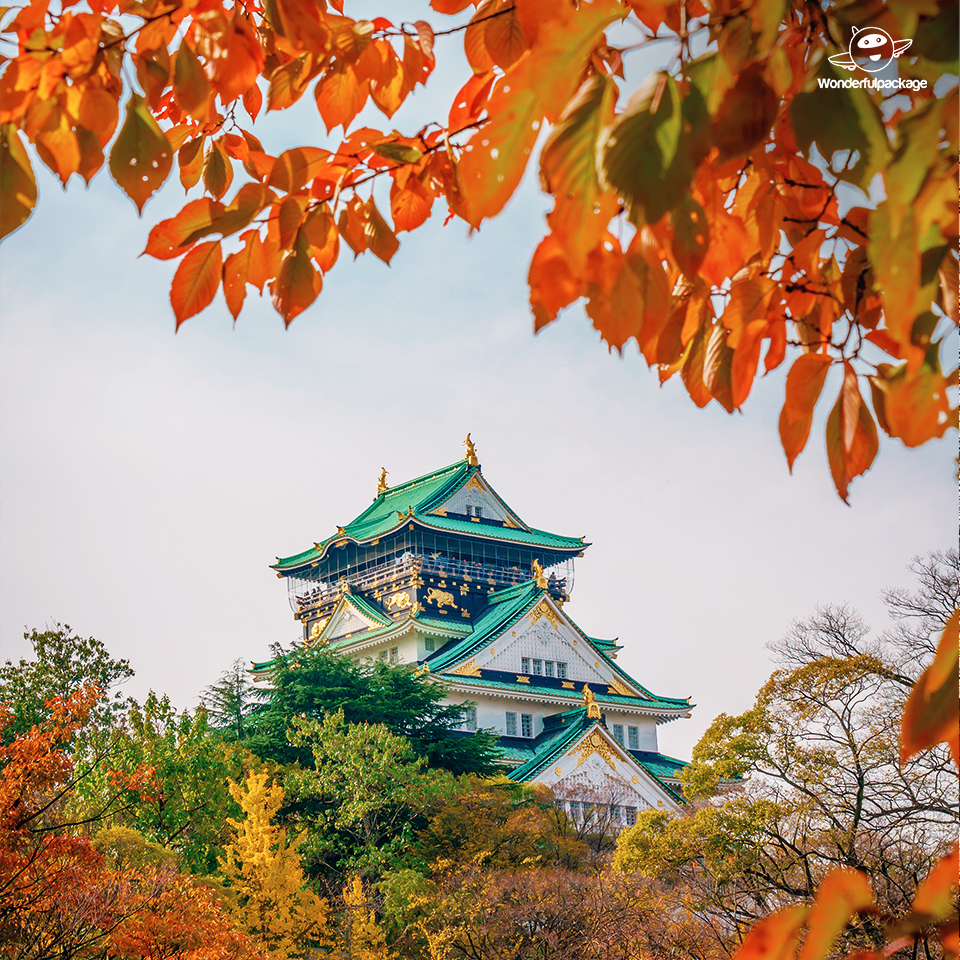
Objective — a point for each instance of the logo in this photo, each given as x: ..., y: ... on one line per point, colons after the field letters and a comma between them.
x: 871, y: 49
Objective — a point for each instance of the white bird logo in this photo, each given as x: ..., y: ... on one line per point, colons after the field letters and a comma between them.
x: 871, y: 49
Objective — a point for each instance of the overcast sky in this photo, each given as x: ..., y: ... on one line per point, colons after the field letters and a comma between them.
x: 148, y: 479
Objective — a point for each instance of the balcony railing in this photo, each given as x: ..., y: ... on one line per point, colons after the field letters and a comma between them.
x: 309, y: 593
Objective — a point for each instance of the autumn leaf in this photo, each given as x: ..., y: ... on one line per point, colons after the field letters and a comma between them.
x: 931, y: 714
x: 841, y: 894
x: 409, y: 205
x: 191, y: 83
x: 552, y: 284
x: 340, y: 95
x: 805, y: 381
x: 852, y: 442
x: 537, y: 85
x: 170, y: 238
x: 914, y: 402
x: 298, y: 283
x: 141, y: 158
x: 295, y: 168
x: 196, y: 281
x: 568, y: 171
x: 319, y: 230
x: 18, y: 188
x: 380, y: 239
x: 775, y: 937
x: 217, y: 171
x: 640, y: 154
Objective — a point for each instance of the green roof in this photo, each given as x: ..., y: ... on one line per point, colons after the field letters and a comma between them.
x: 562, y: 730
x: 414, y: 501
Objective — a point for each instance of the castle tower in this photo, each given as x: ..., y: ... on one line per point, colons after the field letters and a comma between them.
x: 440, y: 572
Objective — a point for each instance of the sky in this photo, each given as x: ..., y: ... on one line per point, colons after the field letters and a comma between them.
x: 148, y: 479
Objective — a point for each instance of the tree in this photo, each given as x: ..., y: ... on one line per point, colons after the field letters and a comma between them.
x: 714, y: 211
x: 372, y: 788
x: 62, y: 664
x: 230, y: 701
x: 818, y: 757
x: 60, y: 897
x: 171, y: 773
x: 930, y: 719
x: 312, y: 682
x: 262, y: 868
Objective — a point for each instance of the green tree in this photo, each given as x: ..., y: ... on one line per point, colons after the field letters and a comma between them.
x: 172, y: 772
x: 61, y: 665
x: 372, y: 790
x: 230, y: 701
x: 308, y: 682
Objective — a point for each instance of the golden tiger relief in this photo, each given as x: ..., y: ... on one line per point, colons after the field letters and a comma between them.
x: 399, y: 601
x: 442, y: 598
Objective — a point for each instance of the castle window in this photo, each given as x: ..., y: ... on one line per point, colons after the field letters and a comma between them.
x: 511, y: 724
x: 526, y: 725
x: 429, y: 644
x: 538, y: 668
x: 618, y: 733
x: 548, y: 668
x: 470, y: 719
x: 633, y: 738
x: 575, y: 809
x: 524, y: 664
x: 562, y: 671
x: 631, y: 815
x: 394, y: 654
x: 474, y: 511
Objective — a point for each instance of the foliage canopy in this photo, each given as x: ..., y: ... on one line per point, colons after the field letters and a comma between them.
x: 727, y: 208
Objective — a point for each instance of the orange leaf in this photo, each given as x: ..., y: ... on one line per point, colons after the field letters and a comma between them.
x: 190, y: 83
x: 381, y: 240
x: 568, y: 170
x: 236, y: 72
x: 351, y: 225
x: 746, y: 357
x: 842, y: 893
x: 59, y: 149
x: 18, y: 188
x: 340, y: 95
x: 504, y: 38
x: 931, y: 712
x: 471, y: 101
x: 450, y: 6
x: 190, y: 158
x: 320, y: 232
x: 538, y: 85
x: 935, y: 895
x: 292, y: 209
x: 750, y: 299
x: 718, y: 367
x: 774, y: 937
x: 692, y: 370
x: 804, y: 385
x: 915, y: 403
x: 295, y: 168
x: 168, y: 239
x: 297, y: 285
x: 852, y: 442
x: 411, y: 205
x: 474, y: 38
x: 417, y: 65
x: 217, y: 171
x: 235, y: 269
x: 552, y: 285
x: 196, y: 281
x: 253, y: 100
x: 386, y: 88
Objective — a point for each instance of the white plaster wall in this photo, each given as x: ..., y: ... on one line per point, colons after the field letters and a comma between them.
x: 491, y: 711
x: 647, y: 727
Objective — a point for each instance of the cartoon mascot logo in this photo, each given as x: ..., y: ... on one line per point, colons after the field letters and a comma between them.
x: 870, y: 49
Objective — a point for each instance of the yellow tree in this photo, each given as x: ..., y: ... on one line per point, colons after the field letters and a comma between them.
x: 263, y: 870
x: 363, y: 939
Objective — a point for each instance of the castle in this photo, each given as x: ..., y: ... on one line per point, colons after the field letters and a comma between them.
x: 440, y: 572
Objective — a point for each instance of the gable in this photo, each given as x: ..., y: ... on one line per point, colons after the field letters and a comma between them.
x: 548, y: 637
x: 476, y: 495
x: 595, y: 769
x: 347, y: 619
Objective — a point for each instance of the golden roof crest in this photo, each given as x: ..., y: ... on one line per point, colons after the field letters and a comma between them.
x: 471, y: 455
x: 590, y: 702
x: 382, y: 482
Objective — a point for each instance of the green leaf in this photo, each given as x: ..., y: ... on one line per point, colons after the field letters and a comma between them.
x: 18, y: 188
x: 141, y: 158
x: 840, y: 119
x: 640, y: 154
x: 399, y: 152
